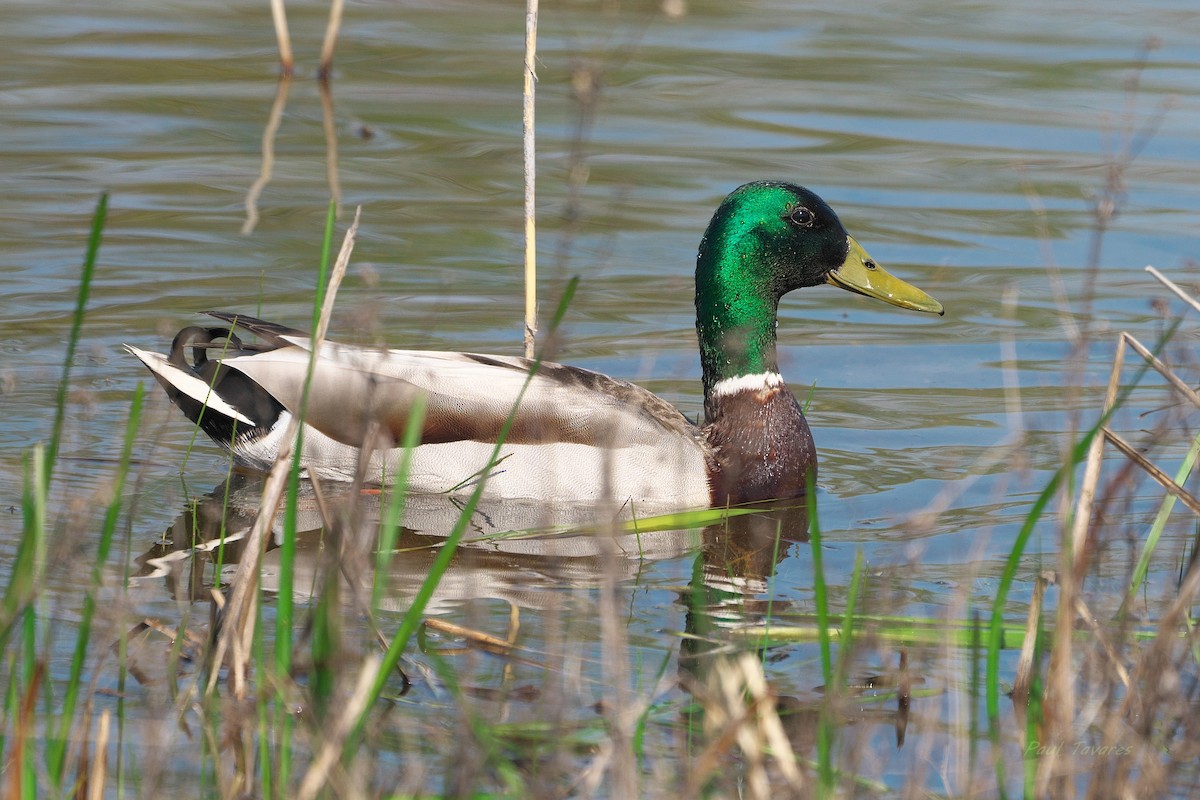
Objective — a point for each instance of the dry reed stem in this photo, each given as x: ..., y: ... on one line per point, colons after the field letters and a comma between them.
x: 1060, y: 689
x: 1024, y: 672
x: 740, y: 708
x: 1160, y: 477
x: 1087, y: 492
x: 769, y: 725
x: 334, y: 740
x: 331, y: 34
x: 1180, y: 293
x: 322, y: 502
x: 279, y: 17
x: 529, y: 152
x: 514, y: 623
x: 484, y: 640
x: 98, y: 772
x: 1162, y: 369
x: 1145, y: 692
x: 733, y: 689
x: 238, y: 629
x: 716, y: 750
x: 1091, y: 472
x: 510, y: 641
x: 268, y: 152
x: 1092, y: 469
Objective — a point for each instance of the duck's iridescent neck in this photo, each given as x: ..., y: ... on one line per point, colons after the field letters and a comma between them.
x: 736, y: 307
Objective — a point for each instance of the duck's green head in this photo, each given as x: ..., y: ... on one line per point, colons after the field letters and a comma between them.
x: 766, y: 239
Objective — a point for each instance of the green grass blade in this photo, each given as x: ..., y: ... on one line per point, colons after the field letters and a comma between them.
x: 33, y: 674
x: 28, y: 562
x: 846, y: 640
x: 285, y: 603
x: 905, y: 631
x: 81, y: 298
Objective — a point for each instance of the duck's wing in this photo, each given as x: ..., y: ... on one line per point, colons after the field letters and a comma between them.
x: 359, y: 392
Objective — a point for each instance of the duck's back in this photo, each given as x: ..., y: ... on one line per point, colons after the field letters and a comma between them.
x: 576, y: 435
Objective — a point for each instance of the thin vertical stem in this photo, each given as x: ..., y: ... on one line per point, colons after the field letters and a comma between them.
x: 331, y: 34
x: 286, y: 62
x: 527, y: 118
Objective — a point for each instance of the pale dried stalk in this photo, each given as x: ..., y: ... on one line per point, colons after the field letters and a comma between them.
x: 1091, y: 476
x: 769, y: 723
x: 1162, y: 369
x: 739, y: 708
x: 527, y: 127
x: 1091, y: 472
x: 1060, y: 674
x: 331, y: 34
x: 238, y: 630
x: 480, y: 638
x: 1024, y: 673
x: 98, y: 772
x: 732, y: 683
x: 281, y: 35
x: 1160, y: 477
x: 331, y: 746
x: 1180, y: 293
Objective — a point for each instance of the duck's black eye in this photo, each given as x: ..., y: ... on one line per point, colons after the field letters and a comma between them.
x: 802, y: 217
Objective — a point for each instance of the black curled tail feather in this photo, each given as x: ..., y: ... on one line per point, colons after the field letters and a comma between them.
x: 271, y: 332
x: 209, y: 346
x: 201, y: 340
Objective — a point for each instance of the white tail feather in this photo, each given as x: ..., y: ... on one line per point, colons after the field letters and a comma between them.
x: 188, y: 384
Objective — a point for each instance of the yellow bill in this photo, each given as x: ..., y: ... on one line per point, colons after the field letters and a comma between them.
x: 860, y: 274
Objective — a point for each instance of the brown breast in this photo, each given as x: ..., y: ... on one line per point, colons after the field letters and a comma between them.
x: 763, y: 448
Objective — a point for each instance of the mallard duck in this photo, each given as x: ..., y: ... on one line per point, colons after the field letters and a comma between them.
x: 578, y: 435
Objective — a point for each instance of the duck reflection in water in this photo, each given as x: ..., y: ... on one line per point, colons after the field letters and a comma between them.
x: 509, y: 547
x: 733, y: 562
